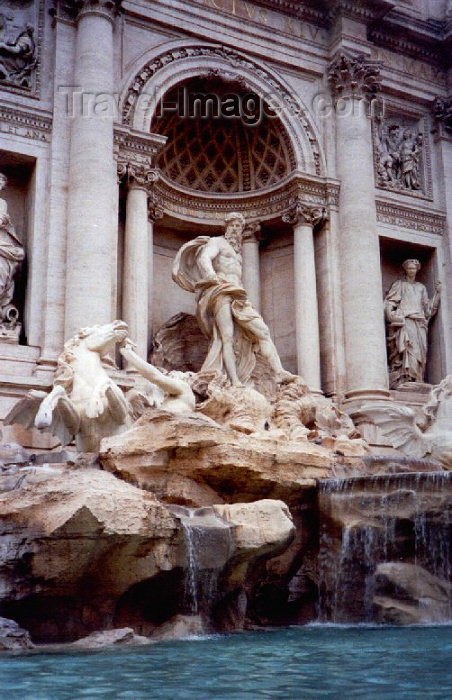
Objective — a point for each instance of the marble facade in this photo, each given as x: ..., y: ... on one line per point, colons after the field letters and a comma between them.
x: 347, y: 177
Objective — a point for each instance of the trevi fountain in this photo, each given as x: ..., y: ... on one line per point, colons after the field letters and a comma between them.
x: 225, y: 349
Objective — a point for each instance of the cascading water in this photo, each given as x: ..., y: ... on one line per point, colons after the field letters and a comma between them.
x: 385, y: 551
x: 208, y: 546
x: 191, y: 579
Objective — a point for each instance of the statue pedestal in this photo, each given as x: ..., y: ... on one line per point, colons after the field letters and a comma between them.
x: 10, y: 334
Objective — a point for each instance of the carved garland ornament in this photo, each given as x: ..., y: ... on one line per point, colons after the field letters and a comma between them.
x: 237, y: 61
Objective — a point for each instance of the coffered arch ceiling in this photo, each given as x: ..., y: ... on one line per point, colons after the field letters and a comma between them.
x: 210, y: 151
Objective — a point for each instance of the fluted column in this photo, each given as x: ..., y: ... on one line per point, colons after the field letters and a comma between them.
x: 92, y: 186
x: 353, y: 80
x: 251, y: 274
x: 303, y: 219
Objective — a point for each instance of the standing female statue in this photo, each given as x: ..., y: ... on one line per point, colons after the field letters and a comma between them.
x: 11, y: 254
x: 408, y: 311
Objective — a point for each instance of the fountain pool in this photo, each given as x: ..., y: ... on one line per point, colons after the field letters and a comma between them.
x: 317, y: 661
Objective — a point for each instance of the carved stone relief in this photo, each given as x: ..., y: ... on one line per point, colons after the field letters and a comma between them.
x: 400, y: 154
x: 19, y: 44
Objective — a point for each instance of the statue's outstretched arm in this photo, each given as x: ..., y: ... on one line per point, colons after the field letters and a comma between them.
x: 174, y: 387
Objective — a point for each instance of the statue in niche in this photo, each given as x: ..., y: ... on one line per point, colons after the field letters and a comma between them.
x: 399, y: 153
x: 11, y: 255
x: 18, y: 58
x: 408, y: 311
x: 211, y: 267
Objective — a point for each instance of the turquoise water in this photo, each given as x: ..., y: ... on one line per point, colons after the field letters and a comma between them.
x: 294, y: 663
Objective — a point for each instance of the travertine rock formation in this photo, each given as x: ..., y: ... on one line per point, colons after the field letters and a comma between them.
x: 84, y: 551
x: 405, y: 594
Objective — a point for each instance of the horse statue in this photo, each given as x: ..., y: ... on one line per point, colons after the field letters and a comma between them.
x: 85, y: 402
x: 431, y: 438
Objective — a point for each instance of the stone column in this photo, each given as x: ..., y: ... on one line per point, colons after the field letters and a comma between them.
x: 442, y: 111
x: 135, y: 264
x: 155, y: 212
x: 251, y: 274
x: 92, y: 185
x: 303, y: 218
x: 353, y: 80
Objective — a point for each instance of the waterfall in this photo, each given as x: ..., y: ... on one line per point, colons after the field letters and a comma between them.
x: 192, y: 575
x: 384, y: 548
x: 208, y: 545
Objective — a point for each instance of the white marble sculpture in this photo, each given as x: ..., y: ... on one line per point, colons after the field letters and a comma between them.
x: 211, y: 267
x: 11, y: 255
x: 85, y: 401
x: 408, y: 311
x: 176, y: 395
x: 400, y: 429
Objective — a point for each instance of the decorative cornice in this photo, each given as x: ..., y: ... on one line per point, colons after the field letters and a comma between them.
x: 25, y: 124
x: 354, y: 75
x: 259, y: 205
x: 365, y: 11
x: 401, y: 42
x: 414, y: 219
x: 442, y: 111
x: 300, y: 212
x: 235, y: 60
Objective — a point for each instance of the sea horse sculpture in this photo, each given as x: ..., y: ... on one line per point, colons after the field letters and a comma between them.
x: 85, y: 402
x: 398, y: 425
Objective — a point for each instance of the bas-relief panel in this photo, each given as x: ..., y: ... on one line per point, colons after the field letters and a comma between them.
x: 20, y: 39
x: 169, y: 298
x: 277, y: 285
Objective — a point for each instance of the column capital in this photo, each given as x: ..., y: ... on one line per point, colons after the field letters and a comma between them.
x: 137, y: 174
x: 301, y: 212
x: 105, y: 8
x: 354, y: 75
x: 442, y: 112
x: 252, y: 233
x: 155, y: 210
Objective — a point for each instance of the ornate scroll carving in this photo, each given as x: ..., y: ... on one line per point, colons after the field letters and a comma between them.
x: 300, y: 212
x: 355, y: 76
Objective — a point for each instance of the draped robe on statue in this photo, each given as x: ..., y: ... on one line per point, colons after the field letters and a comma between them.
x: 407, y: 339
x: 210, y: 297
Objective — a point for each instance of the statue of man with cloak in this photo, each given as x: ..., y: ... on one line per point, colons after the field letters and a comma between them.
x: 211, y: 267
